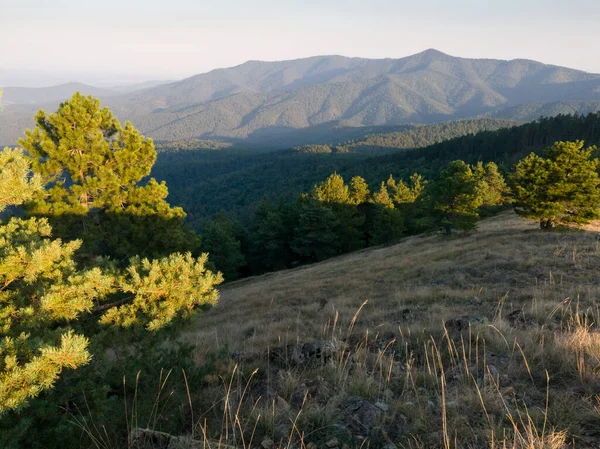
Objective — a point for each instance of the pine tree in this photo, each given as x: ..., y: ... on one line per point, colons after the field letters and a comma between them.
x: 44, y: 296
x: 219, y: 240
x: 358, y: 191
x: 93, y: 169
x: 400, y: 193
x: 333, y: 190
x: 316, y: 236
x: 455, y: 198
x: 270, y: 235
x: 335, y: 195
x: 562, y: 187
x: 382, y: 197
x: 491, y: 184
x: 386, y: 226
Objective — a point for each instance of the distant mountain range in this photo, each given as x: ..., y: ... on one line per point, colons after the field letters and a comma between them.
x: 43, y: 95
x: 267, y: 101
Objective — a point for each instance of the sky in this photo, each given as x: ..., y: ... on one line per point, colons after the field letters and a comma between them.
x: 110, y: 41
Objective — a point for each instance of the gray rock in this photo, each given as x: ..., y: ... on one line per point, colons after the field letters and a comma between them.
x: 267, y: 444
x: 382, y: 406
x: 519, y: 318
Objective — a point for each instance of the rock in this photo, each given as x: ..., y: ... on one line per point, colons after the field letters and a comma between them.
x: 493, y: 370
x: 519, y: 318
x: 431, y: 405
x: 475, y: 300
x: 462, y: 323
x: 451, y: 404
x: 361, y: 416
x: 382, y: 406
x: 297, y: 397
x: 282, y: 404
x: 333, y: 443
x: 267, y: 444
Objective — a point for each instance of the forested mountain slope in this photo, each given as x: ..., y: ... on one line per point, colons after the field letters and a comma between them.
x: 204, y: 182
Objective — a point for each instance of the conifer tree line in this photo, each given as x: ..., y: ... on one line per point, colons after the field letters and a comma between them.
x: 204, y: 182
x: 560, y: 187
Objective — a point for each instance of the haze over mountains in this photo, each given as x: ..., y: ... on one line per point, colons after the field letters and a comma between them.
x: 263, y: 101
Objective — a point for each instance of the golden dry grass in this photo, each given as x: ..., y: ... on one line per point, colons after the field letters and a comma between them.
x: 434, y: 276
x: 505, y: 382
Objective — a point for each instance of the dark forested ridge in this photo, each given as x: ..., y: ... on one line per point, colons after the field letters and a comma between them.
x: 302, y: 101
x: 204, y: 182
x: 419, y: 136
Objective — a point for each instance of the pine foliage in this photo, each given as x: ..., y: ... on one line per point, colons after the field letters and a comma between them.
x: 456, y: 198
x: 45, y: 296
x: 93, y: 168
x: 561, y: 187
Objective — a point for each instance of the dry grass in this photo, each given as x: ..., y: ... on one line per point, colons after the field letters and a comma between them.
x: 435, y: 277
x: 392, y: 373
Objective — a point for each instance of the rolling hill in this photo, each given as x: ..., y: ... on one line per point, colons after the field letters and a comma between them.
x: 487, y: 339
x: 265, y: 101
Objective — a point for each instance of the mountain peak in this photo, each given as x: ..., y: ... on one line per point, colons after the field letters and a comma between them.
x: 433, y: 52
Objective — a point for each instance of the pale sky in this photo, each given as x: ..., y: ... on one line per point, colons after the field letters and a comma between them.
x: 171, y: 39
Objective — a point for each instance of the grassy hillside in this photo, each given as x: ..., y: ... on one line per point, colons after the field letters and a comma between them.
x: 482, y: 340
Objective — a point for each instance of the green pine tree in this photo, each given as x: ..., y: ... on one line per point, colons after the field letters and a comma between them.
x: 382, y: 196
x: 46, y: 301
x: 400, y: 193
x: 358, y: 191
x: 332, y: 190
x: 270, y: 235
x: 455, y: 198
x: 93, y: 168
x: 335, y: 195
x: 386, y: 225
x: 491, y: 184
x: 562, y: 187
x: 316, y: 235
x: 219, y: 240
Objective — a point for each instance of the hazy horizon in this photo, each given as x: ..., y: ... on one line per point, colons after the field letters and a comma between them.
x: 134, y: 41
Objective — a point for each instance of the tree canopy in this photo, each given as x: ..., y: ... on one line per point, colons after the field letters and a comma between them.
x: 92, y: 168
x: 561, y: 187
x: 44, y: 296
